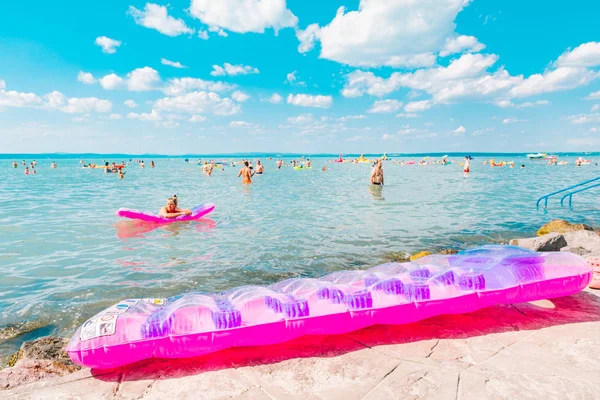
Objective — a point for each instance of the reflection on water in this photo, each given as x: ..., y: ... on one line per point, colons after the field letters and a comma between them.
x: 65, y: 255
x: 376, y: 192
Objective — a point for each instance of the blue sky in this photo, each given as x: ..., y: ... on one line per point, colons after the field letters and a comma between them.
x: 202, y: 76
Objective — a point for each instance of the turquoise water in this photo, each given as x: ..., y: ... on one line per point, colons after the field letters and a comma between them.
x: 65, y: 255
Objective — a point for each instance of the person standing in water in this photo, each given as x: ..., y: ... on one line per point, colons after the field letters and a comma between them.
x: 260, y: 169
x: 279, y: 164
x: 467, y: 166
x: 142, y: 165
x: 53, y: 165
x: 15, y: 165
x: 152, y: 164
x: 377, y: 174
x: 171, y: 210
x: 246, y: 173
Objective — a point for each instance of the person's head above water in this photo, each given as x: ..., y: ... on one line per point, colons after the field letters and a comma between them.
x: 172, y: 203
x: 246, y: 163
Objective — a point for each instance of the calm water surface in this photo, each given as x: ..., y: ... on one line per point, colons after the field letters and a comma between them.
x: 65, y: 255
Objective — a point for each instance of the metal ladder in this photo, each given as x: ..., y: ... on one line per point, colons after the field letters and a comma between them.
x: 570, y: 194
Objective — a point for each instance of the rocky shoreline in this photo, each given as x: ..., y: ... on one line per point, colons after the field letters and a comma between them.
x: 45, y: 357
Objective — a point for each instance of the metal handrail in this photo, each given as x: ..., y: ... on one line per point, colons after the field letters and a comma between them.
x: 570, y: 195
x: 546, y: 196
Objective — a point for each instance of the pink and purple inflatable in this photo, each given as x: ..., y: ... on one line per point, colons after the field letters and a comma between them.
x: 194, y: 324
x: 197, y: 213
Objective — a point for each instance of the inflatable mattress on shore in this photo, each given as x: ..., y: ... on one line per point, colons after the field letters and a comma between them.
x: 194, y: 324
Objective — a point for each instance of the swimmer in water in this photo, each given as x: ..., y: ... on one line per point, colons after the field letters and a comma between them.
x: 467, y: 166
x: 26, y: 170
x: 246, y: 173
x: 53, y: 165
x: 142, y: 165
x: 260, y: 169
x: 324, y: 168
x: 121, y: 174
x: 152, y: 164
x: 171, y: 210
x: 15, y: 165
x: 308, y: 164
x: 377, y: 174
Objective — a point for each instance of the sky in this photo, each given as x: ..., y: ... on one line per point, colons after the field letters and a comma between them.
x: 301, y: 76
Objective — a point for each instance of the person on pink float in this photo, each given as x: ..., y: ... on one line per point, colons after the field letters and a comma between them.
x: 171, y: 210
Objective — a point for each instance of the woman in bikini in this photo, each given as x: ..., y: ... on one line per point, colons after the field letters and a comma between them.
x: 171, y: 210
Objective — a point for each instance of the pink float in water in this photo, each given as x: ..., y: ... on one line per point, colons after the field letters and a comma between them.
x: 194, y: 324
x: 197, y: 213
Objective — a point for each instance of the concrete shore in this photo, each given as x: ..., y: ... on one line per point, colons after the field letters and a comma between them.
x: 530, y: 350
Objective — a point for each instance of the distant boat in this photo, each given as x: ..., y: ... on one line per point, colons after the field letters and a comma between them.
x: 536, y: 156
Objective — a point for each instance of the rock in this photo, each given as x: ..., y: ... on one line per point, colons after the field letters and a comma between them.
x: 419, y: 255
x: 38, y: 359
x: 399, y: 256
x: 585, y: 242
x: 550, y: 242
x: 27, y: 371
x: 580, y: 251
x: 448, y: 252
x: 562, y: 226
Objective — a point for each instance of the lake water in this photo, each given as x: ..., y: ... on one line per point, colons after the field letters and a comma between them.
x: 64, y: 254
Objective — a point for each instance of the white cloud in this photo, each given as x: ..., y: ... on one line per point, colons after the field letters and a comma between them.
x: 242, y: 124
x: 153, y: 116
x: 110, y: 82
x: 239, y: 96
x: 306, y: 100
x: 407, y: 130
x: 203, y: 35
x: 387, y: 136
x: 307, y: 37
x: 108, y: 45
x: 86, y: 78
x: 301, y: 119
x: 562, y: 78
x: 512, y: 120
x: 53, y: 101
x: 416, y: 106
x: 200, y: 102
x: 467, y: 78
x: 593, y: 96
x: 351, y: 117
x: 243, y: 16
x: 461, y: 43
x: 197, y: 118
x: 275, y: 98
x: 504, y: 103
x: 584, y: 55
x: 228, y: 69
x: 291, y: 79
x: 115, y: 116
x: 74, y: 105
x: 406, y: 115
x: 142, y: 79
x: 130, y: 103
x: 174, y: 64
x: 156, y: 17
x: 385, y: 106
x: 387, y: 32
x: 596, y: 107
x: 460, y: 129
x: 584, y: 118
x: 179, y: 86
x: 12, y: 98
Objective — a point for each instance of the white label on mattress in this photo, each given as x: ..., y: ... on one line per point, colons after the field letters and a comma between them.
x: 102, y: 325
x: 157, y: 302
